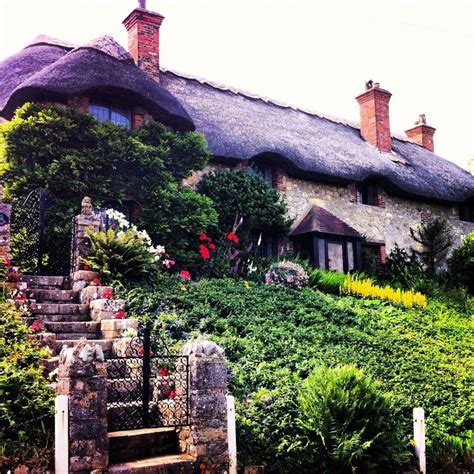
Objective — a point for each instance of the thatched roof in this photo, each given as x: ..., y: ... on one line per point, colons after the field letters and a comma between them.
x: 51, y: 69
x: 322, y: 221
x: 239, y: 126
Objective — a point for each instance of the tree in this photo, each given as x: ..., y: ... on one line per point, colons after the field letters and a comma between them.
x: 240, y: 195
x: 435, y: 239
x: 71, y: 155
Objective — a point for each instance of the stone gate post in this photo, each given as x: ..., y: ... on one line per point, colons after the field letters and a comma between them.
x: 83, y: 378
x: 206, y: 437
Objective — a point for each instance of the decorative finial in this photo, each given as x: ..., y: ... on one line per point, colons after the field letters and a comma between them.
x: 421, y: 120
x: 142, y: 4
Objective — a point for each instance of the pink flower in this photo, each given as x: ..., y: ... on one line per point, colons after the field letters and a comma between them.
x: 173, y: 394
x: 203, y: 236
x: 232, y: 237
x: 95, y: 282
x: 204, y: 251
x: 36, y: 326
x: 170, y: 263
x: 108, y: 294
x: 120, y: 315
x: 212, y: 246
x: 185, y: 275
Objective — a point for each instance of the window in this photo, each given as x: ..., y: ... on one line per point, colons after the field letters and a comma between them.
x: 117, y: 115
x: 263, y: 171
x: 466, y: 211
x: 371, y: 257
x: 262, y: 245
x: 367, y: 194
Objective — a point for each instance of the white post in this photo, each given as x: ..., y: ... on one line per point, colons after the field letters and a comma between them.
x: 419, y: 438
x: 61, y: 435
x: 231, y: 434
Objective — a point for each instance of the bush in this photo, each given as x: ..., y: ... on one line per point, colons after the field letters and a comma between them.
x: 403, y: 268
x: 288, y: 274
x: 461, y: 264
x: 26, y: 402
x: 325, y: 281
x: 350, y: 419
x: 71, y: 155
x: 125, y: 255
x: 240, y: 195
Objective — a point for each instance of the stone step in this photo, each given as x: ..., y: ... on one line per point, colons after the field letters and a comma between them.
x: 48, y: 282
x: 58, y: 308
x: 170, y: 464
x: 58, y: 318
x: 143, y: 443
x: 42, y: 295
x: 71, y: 342
x: 88, y: 327
x: 50, y: 364
x: 61, y: 336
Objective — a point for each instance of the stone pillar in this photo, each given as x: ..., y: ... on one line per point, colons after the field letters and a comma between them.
x: 206, y: 437
x: 86, y: 219
x: 83, y: 377
x: 5, y: 216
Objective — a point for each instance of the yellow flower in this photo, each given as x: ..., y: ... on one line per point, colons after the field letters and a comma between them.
x: 246, y: 284
x: 184, y: 289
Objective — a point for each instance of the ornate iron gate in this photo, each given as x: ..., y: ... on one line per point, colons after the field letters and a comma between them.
x: 40, y: 234
x: 146, y: 389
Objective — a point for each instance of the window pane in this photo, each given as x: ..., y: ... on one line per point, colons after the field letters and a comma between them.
x: 322, y: 253
x: 100, y: 112
x: 335, y: 256
x: 350, y: 255
x: 120, y: 116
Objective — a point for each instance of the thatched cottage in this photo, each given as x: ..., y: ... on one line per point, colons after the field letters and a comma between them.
x: 349, y: 186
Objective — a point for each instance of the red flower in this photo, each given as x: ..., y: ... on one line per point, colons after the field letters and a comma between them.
x: 185, y: 275
x: 108, y: 294
x: 141, y: 352
x: 203, y: 236
x: 232, y: 237
x: 212, y: 246
x: 21, y: 296
x: 7, y: 262
x: 13, y: 277
x: 173, y: 394
x: 37, y: 326
x: 96, y: 282
x: 164, y: 371
x: 85, y: 267
x: 120, y: 315
x: 204, y: 251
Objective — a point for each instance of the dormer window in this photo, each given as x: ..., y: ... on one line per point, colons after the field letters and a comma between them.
x: 263, y: 171
x: 367, y: 194
x: 466, y: 211
x: 117, y: 115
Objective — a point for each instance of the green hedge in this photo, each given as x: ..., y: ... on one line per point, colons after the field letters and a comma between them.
x: 274, y: 337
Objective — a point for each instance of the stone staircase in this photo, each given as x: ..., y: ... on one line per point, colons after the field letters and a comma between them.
x: 154, y: 450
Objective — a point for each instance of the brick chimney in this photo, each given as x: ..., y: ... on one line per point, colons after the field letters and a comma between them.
x: 422, y: 133
x: 143, y: 29
x: 374, y: 116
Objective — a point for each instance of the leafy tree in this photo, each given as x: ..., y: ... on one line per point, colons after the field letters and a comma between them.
x: 435, y: 238
x: 239, y: 195
x: 461, y: 263
x: 71, y: 155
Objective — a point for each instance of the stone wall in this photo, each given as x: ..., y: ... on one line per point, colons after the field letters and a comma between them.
x: 390, y: 224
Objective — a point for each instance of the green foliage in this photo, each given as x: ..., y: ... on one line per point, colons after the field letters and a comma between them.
x: 274, y: 337
x: 461, y: 264
x: 327, y: 282
x: 71, y: 155
x: 403, y: 268
x: 350, y: 419
x: 240, y: 195
x: 120, y: 256
x: 25, y: 398
x: 435, y: 239
x: 452, y: 453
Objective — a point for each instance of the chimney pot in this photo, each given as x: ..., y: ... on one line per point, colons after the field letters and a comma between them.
x: 421, y: 133
x: 374, y: 116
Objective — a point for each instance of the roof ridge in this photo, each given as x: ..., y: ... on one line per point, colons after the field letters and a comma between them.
x: 45, y: 39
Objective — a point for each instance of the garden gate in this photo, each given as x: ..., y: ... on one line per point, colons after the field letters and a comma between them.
x: 40, y: 234
x: 146, y: 386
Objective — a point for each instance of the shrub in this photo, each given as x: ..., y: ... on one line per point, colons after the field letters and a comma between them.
x: 288, y: 274
x: 325, y: 281
x: 461, y: 263
x: 26, y: 402
x: 435, y: 238
x: 365, y: 288
x: 403, y: 268
x: 240, y: 195
x: 123, y: 253
x: 451, y: 453
x: 351, y: 420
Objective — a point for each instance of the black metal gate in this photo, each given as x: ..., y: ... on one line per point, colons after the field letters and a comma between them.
x: 40, y: 234
x: 146, y: 389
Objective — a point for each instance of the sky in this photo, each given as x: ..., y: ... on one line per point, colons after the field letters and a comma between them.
x: 315, y: 54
